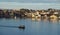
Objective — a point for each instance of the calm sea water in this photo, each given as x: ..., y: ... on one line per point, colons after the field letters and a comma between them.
x: 32, y: 27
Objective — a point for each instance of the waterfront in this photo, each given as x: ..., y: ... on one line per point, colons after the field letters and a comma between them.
x: 32, y: 27
x: 30, y: 13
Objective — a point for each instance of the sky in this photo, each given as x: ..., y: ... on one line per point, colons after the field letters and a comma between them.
x: 32, y: 1
x: 30, y: 4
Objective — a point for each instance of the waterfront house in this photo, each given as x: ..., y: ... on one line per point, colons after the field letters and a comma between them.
x: 28, y: 15
x: 37, y: 15
x: 53, y: 17
x: 44, y: 14
x: 56, y: 13
x: 33, y: 15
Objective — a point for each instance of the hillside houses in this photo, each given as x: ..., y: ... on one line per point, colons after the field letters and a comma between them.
x: 29, y: 13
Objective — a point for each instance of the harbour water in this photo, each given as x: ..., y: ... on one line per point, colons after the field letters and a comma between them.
x: 32, y: 27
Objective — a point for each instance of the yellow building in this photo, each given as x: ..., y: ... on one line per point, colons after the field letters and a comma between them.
x: 37, y: 15
x: 53, y: 17
x: 33, y: 16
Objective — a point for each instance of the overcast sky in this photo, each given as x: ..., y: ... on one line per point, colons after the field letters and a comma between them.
x: 30, y: 4
x: 16, y: 5
x: 32, y: 1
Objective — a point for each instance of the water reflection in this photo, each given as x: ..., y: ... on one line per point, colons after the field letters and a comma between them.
x: 32, y: 26
x: 20, y: 27
x: 44, y: 20
x: 36, y: 19
x: 54, y: 20
x: 33, y: 19
x: 59, y: 21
